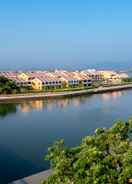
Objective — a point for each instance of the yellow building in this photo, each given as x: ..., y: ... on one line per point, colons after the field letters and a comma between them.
x: 23, y: 76
x: 111, y: 77
x: 37, y: 84
x: 65, y: 82
x: 106, y: 74
x: 116, y: 79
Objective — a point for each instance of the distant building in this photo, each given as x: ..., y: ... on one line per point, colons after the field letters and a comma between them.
x: 111, y: 77
x: 93, y: 74
x: 73, y: 79
x: 39, y: 80
x: 17, y: 78
x: 37, y: 84
x: 23, y: 76
x: 123, y: 76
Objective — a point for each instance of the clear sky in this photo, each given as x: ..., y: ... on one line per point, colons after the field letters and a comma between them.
x: 65, y: 33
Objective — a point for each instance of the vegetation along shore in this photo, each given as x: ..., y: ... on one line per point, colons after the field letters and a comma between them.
x: 64, y: 94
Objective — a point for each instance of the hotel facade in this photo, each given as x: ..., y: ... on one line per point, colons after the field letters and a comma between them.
x: 39, y: 80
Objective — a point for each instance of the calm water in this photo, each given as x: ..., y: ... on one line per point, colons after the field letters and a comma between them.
x: 27, y: 128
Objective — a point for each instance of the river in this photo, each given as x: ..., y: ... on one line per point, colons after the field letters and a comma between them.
x: 28, y: 128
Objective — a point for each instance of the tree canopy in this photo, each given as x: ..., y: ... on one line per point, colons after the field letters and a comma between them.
x: 7, y: 86
x: 128, y: 80
x: 102, y: 158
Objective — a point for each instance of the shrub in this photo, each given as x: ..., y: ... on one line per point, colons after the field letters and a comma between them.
x: 105, y: 157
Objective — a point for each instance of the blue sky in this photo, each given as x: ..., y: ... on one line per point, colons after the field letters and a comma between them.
x: 65, y: 33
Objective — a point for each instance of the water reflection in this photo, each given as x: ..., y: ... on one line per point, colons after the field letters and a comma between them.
x: 6, y: 109
x: 27, y: 106
x: 26, y: 135
x: 112, y: 95
x: 49, y: 105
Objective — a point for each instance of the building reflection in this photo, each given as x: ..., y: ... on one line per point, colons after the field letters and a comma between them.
x: 112, y: 95
x: 50, y: 104
x: 62, y: 103
x: 28, y: 106
x: 24, y: 107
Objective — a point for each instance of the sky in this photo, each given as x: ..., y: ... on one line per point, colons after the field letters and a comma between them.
x: 49, y: 34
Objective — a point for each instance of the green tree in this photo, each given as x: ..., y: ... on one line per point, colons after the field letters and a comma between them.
x: 127, y: 80
x: 102, y: 158
x: 8, y: 86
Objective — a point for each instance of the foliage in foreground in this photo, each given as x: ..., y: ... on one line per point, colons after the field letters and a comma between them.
x: 103, y: 158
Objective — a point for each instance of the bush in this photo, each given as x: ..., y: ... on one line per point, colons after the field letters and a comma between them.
x: 102, y: 158
x: 8, y: 86
x: 127, y: 80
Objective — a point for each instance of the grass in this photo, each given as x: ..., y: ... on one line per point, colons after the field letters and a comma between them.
x: 68, y: 89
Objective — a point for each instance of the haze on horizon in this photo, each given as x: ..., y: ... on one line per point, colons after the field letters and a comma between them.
x: 65, y: 34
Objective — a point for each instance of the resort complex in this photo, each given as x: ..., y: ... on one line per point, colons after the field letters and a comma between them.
x: 39, y: 80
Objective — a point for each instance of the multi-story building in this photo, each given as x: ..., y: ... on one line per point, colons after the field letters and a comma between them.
x: 83, y: 79
x: 14, y: 76
x: 73, y: 79
x: 40, y: 80
x: 61, y: 78
x: 93, y: 74
x: 111, y: 77
x: 67, y: 79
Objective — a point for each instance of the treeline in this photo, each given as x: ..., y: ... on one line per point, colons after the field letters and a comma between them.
x: 105, y: 157
x: 128, y: 80
x: 8, y: 86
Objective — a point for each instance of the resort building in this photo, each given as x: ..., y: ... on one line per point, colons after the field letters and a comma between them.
x: 39, y: 80
x: 111, y: 77
x: 45, y: 82
x: 123, y: 75
x: 115, y: 79
x: 14, y: 76
x: 83, y: 79
x: 73, y: 79
x: 93, y: 74
x: 66, y: 78
x: 23, y: 76
x: 37, y: 84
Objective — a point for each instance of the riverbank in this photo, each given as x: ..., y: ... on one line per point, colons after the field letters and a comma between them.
x: 93, y: 106
x: 34, y: 179
x: 64, y: 94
